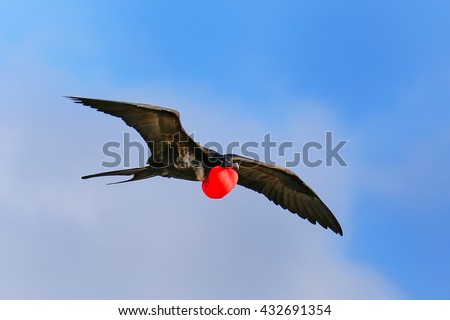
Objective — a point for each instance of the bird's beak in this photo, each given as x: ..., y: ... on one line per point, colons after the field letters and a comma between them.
x: 235, y: 166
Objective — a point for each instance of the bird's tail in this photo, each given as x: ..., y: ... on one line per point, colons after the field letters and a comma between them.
x: 138, y: 174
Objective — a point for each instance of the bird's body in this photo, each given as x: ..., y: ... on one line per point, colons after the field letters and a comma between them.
x: 174, y: 154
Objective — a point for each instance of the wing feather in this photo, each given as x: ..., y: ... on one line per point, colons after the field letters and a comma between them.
x: 160, y: 127
x: 286, y: 189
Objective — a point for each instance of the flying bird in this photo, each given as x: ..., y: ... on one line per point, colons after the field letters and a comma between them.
x: 174, y: 154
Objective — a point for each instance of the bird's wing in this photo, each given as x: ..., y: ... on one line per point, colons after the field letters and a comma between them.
x: 160, y: 127
x: 287, y: 190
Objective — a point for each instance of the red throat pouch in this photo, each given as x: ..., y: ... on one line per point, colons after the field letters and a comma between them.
x: 220, y: 182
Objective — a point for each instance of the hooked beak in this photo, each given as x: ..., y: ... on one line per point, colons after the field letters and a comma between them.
x: 235, y: 166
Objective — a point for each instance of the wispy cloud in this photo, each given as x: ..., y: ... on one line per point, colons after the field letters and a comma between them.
x: 67, y: 238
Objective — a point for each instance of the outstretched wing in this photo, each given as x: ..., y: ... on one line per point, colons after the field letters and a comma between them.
x: 287, y: 190
x: 160, y: 127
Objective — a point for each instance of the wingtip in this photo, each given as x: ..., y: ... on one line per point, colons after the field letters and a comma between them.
x: 339, y: 232
x: 73, y: 98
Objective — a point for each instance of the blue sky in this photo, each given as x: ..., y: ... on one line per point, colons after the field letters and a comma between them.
x: 375, y: 73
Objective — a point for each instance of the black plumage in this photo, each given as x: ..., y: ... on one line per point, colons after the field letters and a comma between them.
x: 175, y: 154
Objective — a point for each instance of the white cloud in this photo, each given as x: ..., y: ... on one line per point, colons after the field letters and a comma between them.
x: 62, y: 237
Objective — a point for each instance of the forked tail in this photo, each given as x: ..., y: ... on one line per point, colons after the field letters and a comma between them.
x: 138, y: 174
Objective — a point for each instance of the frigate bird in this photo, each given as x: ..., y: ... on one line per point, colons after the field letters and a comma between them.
x: 174, y: 154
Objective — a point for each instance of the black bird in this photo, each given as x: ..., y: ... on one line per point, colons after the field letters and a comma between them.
x: 174, y: 154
